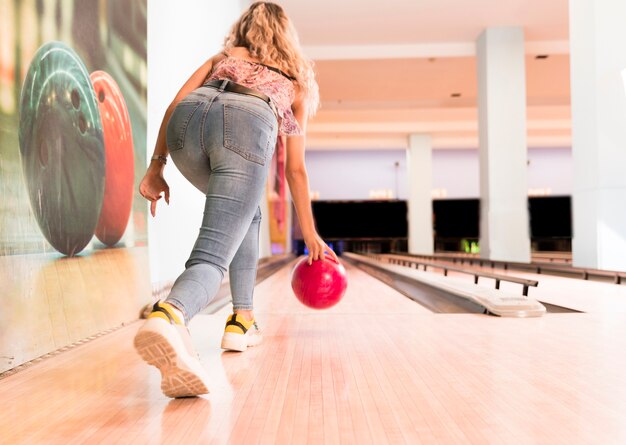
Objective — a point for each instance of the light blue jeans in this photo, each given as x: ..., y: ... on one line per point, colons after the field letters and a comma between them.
x: 222, y: 142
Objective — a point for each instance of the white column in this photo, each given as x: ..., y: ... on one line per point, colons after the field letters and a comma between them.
x: 419, y: 165
x: 504, y: 223
x: 598, y: 85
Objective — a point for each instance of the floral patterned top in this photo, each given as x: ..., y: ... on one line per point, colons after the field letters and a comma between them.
x: 265, y: 79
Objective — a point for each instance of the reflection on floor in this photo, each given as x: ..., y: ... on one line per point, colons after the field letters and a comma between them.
x: 50, y: 300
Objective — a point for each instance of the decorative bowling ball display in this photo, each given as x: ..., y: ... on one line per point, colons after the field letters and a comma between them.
x: 62, y: 147
x: 119, y: 159
x: 319, y: 285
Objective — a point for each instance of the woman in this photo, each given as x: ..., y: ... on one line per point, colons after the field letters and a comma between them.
x: 221, y: 132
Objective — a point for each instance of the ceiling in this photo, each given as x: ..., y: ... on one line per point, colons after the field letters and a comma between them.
x: 363, y: 22
x: 388, y: 69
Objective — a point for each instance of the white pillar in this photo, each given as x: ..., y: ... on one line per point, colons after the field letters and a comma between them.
x: 419, y: 166
x: 598, y: 85
x: 504, y: 223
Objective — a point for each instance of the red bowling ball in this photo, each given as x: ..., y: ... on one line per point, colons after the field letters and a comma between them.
x: 320, y: 285
x: 120, y: 168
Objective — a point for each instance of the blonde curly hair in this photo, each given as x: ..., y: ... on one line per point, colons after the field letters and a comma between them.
x: 269, y: 36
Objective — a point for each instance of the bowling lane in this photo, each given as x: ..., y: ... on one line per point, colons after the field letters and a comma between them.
x: 364, y: 294
x: 429, y: 297
x: 438, y: 300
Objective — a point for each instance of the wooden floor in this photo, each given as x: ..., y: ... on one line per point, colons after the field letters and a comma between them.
x: 375, y: 369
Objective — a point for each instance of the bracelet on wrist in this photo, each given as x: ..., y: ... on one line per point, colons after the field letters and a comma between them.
x: 161, y: 158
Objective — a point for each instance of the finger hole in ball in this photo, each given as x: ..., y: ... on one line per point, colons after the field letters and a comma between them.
x: 75, y: 99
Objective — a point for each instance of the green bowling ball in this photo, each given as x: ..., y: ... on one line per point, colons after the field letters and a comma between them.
x: 62, y: 147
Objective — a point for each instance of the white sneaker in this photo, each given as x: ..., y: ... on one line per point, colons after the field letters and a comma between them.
x: 165, y: 343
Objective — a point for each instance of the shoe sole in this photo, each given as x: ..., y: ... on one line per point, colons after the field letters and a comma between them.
x: 236, y: 342
x: 180, y: 376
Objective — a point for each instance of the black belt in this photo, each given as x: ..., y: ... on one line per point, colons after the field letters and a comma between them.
x: 229, y: 85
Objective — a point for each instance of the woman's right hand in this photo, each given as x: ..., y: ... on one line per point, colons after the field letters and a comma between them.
x: 151, y: 186
x: 317, y: 247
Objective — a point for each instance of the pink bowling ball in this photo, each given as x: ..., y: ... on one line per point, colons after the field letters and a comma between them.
x: 320, y: 285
